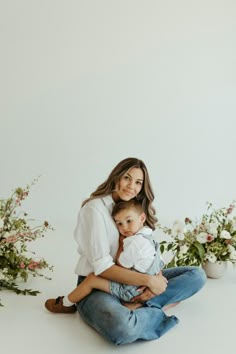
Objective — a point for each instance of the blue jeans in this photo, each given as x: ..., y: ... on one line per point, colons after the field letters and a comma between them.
x: 119, y: 325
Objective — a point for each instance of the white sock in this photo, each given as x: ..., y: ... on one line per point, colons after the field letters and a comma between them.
x: 67, y: 302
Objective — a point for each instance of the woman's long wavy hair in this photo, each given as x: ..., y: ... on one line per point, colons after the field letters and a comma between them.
x: 145, y: 196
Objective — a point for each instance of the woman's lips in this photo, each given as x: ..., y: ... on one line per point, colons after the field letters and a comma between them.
x: 128, y: 192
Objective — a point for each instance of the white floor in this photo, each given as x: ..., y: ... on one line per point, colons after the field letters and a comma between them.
x: 207, y: 320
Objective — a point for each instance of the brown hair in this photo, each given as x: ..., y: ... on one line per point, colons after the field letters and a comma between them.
x: 145, y: 196
x: 132, y: 204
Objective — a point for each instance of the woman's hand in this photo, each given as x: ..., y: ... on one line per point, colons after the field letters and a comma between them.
x: 145, y: 295
x: 157, y: 286
x: 121, y: 239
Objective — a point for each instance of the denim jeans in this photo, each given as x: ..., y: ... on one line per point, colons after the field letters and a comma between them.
x: 119, y: 325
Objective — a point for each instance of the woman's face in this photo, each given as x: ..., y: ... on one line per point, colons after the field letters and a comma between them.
x: 129, y: 185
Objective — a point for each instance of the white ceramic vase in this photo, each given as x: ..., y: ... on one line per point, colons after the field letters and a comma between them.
x: 215, y: 270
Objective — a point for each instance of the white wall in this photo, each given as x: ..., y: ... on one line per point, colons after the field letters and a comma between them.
x: 86, y: 83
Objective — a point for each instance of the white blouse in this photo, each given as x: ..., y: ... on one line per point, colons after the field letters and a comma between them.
x: 97, y: 237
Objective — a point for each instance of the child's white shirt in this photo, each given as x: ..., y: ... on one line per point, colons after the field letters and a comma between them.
x: 138, y: 252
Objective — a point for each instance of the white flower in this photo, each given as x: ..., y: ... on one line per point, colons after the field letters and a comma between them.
x: 234, y: 226
x: 9, y: 234
x: 2, y: 275
x: 230, y: 248
x: 232, y: 255
x: 232, y: 251
x: 183, y: 249
x: 6, y: 234
x: 225, y: 234
x: 178, y: 230
x: 211, y: 257
x: 1, y: 223
x: 212, y: 228
x: 180, y: 236
x: 202, y: 237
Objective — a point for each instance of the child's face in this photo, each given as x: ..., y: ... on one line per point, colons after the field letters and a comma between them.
x: 129, y: 222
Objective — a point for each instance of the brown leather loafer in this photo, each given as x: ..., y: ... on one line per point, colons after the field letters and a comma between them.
x: 56, y: 306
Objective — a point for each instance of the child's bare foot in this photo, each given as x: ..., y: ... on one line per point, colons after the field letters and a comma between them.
x: 132, y: 305
x: 167, y: 307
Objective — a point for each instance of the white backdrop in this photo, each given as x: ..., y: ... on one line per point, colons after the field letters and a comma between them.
x: 86, y: 83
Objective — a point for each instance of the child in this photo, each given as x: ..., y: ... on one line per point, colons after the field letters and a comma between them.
x: 137, y: 250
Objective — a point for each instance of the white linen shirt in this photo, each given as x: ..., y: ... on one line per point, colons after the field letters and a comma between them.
x: 97, y: 237
x: 138, y: 252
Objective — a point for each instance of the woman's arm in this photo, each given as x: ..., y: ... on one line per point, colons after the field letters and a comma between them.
x: 143, y: 280
x: 120, y: 249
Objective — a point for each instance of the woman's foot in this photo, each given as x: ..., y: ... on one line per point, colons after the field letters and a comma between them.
x: 56, y: 306
x: 167, y: 307
x: 132, y: 306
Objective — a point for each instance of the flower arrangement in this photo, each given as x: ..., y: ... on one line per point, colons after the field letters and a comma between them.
x: 16, y: 261
x: 212, y: 239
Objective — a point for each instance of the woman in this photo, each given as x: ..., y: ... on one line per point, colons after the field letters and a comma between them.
x: 98, y: 238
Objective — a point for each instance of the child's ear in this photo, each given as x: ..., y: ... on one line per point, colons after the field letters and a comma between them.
x: 143, y: 217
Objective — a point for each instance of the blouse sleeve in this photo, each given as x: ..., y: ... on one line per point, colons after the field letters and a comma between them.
x: 91, y: 234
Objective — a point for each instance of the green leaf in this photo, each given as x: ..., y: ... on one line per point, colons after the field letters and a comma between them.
x: 162, y: 248
x: 170, y: 246
x: 200, y: 249
x: 172, y: 263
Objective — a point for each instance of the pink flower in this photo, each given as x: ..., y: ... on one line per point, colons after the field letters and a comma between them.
x: 209, y: 238
x: 22, y: 265
x: 33, y: 265
x: 11, y: 239
x: 230, y: 209
x: 187, y: 221
x: 228, y: 241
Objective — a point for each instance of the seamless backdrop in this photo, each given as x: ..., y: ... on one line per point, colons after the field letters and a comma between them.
x: 87, y: 83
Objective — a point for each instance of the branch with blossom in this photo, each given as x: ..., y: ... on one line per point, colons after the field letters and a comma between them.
x: 212, y: 239
x: 16, y: 231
